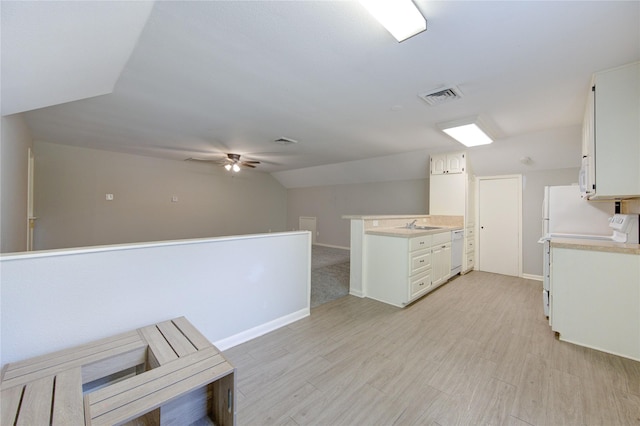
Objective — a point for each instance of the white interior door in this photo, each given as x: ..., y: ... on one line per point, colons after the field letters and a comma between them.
x: 500, y: 225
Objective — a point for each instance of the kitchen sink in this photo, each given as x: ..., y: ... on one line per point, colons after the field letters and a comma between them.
x: 420, y: 227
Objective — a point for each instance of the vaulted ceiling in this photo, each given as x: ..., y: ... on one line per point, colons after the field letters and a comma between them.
x: 178, y: 79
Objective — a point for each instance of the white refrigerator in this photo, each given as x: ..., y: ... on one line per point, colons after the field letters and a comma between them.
x: 566, y: 214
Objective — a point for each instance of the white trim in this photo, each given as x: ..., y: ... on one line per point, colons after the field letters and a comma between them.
x: 260, y: 330
x: 532, y: 277
x: 136, y: 246
x: 597, y: 348
x: 30, y: 183
x: 332, y: 246
x: 356, y: 293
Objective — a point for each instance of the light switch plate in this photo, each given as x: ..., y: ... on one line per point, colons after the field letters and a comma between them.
x: 109, y: 197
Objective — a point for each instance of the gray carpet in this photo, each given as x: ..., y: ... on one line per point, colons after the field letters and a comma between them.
x: 329, y: 274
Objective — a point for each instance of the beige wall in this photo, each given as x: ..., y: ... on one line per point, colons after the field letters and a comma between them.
x: 71, y: 184
x: 14, y: 149
x: 329, y: 203
x: 631, y: 206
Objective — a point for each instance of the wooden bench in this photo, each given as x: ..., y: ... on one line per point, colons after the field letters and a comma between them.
x: 166, y: 373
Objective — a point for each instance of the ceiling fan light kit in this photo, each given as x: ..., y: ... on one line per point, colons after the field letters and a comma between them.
x: 231, y: 163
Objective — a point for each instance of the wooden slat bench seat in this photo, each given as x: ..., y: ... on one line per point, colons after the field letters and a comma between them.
x: 178, y: 377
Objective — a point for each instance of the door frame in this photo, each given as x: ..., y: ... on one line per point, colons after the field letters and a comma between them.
x: 31, y: 219
x: 519, y: 179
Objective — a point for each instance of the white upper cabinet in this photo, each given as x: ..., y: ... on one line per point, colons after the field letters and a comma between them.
x: 611, y: 132
x: 453, y: 194
x: 450, y: 163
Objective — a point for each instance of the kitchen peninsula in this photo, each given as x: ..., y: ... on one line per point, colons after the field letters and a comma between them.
x: 396, y: 263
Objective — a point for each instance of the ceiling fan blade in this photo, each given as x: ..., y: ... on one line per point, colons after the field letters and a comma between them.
x: 250, y: 162
x: 245, y: 164
x: 208, y: 160
x: 202, y: 160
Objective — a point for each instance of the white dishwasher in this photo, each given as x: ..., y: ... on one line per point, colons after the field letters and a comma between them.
x: 457, y: 243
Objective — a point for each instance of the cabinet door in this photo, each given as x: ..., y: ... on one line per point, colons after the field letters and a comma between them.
x: 436, y: 265
x: 440, y: 263
x: 455, y: 163
x: 617, y: 134
x: 446, y: 262
x: 438, y: 164
x: 588, y: 131
x: 587, y: 308
x: 447, y: 194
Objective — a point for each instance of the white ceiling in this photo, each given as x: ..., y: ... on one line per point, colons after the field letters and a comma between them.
x: 57, y: 52
x: 206, y: 77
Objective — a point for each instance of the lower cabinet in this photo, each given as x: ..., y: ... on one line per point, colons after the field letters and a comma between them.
x: 468, y: 259
x: 595, y: 299
x: 399, y: 270
x: 441, y: 255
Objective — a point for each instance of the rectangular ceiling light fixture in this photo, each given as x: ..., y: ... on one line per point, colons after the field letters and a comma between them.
x: 400, y: 17
x: 467, y: 131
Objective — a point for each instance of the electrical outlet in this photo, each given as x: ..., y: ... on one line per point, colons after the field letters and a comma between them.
x: 109, y: 197
x: 174, y: 199
x: 375, y: 223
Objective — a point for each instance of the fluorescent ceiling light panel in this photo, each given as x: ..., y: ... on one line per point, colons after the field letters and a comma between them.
x: 467, y: 132
x: 400, y: 17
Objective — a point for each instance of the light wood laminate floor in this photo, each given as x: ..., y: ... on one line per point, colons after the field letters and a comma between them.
x: 476, y: 351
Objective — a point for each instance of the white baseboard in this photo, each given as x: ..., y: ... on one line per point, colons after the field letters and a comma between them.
x: 532, y: 277
x: 332, y: 246
x: 258, y: 331
x: 356, y: 293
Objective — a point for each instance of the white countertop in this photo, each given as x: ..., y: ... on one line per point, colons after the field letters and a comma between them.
x: 384, y: 217
x: 595, y: 245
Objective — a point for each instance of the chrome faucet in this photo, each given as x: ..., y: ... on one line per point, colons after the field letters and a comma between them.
x: 412, y: 224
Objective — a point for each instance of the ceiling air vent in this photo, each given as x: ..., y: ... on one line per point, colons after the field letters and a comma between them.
x: 441, y: 96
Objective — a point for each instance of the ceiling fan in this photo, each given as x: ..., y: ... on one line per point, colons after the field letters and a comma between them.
x: 231, y: 163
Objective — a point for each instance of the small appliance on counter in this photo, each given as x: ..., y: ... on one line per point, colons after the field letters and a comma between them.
x: 625, y: 228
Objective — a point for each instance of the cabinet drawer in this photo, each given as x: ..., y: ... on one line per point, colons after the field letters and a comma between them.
x: 470, y: 261
x: 419, y: 243
x: 421, y: 284
x: 441, y: 238
x: 420, y: 261
x: 470, y: 245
